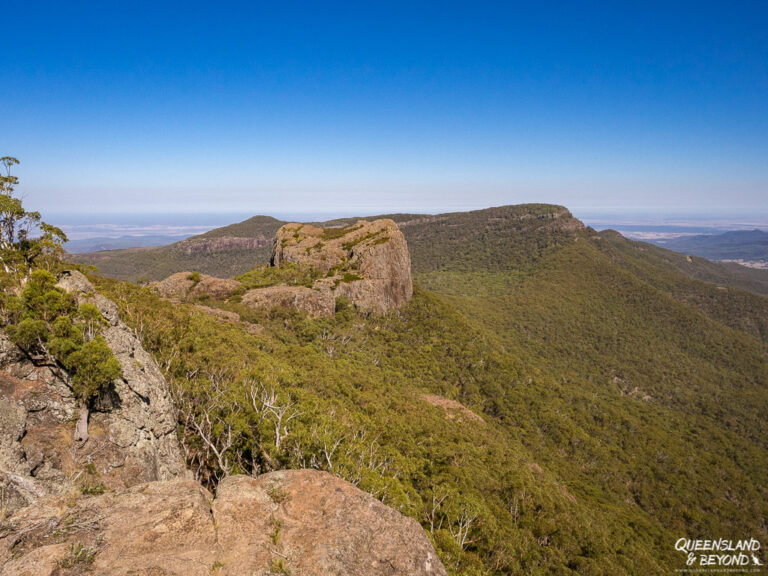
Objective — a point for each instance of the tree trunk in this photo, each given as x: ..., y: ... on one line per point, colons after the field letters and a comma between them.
x: 81, y: 428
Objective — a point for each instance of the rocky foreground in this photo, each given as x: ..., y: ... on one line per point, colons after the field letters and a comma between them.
x: 123, y: 503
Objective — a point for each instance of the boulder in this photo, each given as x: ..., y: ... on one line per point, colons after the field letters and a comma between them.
x: 312, y: 523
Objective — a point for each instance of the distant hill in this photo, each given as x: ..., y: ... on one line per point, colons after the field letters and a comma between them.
x: 749, y: 245
x: 223, y: 252
x: 105, y: 243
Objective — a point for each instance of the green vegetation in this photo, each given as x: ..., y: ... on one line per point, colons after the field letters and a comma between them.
x: 26, y: 242
x: 621, y: 400
x: 93, y: 488
x: 352, y: 243
x: 77, y: 555
x: 605, y: 419
x: 279, y: 567
x: 346, y: 278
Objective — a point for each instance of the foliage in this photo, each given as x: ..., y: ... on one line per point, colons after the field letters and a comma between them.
x: 77, y: 555
x: 46, y: 322
x: 39, y: 317
x: 93, y: 366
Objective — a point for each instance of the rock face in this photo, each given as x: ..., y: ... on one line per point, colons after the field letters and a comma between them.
x: 222, y: 244
x: 367, y: 263
x: 318, y: 524
x: 296, y: 522
x: 187, y: 284
x: 132, y: 427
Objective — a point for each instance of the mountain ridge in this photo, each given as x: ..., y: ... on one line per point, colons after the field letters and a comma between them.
x: 607, y: 382
x: 427, y: 235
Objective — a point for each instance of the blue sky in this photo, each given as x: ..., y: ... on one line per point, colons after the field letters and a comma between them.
x: 367, y: 107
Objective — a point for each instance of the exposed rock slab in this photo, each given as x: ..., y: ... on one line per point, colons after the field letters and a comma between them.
x: 160, y: 528
x: 300, y: 521
x: 313, y: 523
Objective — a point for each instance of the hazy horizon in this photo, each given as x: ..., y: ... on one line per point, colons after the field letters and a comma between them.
x: 119, y: 225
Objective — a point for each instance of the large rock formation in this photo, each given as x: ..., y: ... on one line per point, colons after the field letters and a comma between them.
x: 367, y: 263
x: 123, y: 504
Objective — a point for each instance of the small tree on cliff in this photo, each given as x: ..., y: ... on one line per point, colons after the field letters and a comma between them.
x: 94, y: 366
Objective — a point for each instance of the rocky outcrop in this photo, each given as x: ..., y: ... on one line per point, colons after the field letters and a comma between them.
x: 132, y: 428
x: 188, y: 284
x: 290, y: 522
x: 367, y: 263
x: 318, y: 524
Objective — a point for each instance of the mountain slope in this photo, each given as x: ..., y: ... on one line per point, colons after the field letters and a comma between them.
x: 552, y: 400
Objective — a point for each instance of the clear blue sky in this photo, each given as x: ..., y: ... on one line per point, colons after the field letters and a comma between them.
x: 365, y: 106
